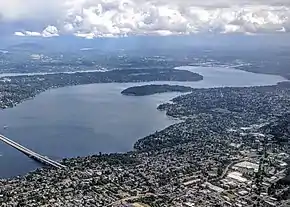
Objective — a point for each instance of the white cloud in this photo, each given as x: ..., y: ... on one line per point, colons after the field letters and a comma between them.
x: 21, y: 34
x: 49, y: 31
x: 107, y: 18
x: 28, y: 33
x: 15, y: 10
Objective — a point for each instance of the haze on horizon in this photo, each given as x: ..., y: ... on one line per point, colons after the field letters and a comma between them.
x: 107, y: 18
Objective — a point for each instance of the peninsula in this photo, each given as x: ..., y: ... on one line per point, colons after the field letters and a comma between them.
x: 16, y: 89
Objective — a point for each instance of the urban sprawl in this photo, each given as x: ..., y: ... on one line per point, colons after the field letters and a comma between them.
x: 231, y: 148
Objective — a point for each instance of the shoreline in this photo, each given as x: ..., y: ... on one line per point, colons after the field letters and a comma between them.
x: 30, y: 86
x: 180, y: 119
x: 220, y: 128
x: 157, y: 108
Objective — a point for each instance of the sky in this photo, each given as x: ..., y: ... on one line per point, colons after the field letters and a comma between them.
x: 112, y: 18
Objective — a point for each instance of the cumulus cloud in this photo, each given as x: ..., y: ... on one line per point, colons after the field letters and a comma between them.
x: 49, y: 31
x: 109, y: 18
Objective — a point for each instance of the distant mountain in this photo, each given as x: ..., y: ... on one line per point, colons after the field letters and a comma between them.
x: 285, y: 83
x: 26, y: 46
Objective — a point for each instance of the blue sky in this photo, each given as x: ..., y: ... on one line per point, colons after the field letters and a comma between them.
x: 111, y: 18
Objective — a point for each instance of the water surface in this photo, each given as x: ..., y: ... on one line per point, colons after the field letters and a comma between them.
x: 88, y: 119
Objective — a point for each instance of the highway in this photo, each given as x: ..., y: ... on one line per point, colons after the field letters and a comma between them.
x: 30, y: 153
x: 227, y: 169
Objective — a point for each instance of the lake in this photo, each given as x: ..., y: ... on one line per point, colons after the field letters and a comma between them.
x: 88, y: 119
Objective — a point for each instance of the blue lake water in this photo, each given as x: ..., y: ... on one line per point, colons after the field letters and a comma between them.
x: 88, y: 119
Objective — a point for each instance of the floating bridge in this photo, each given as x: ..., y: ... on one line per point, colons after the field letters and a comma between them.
x: 33, y: 155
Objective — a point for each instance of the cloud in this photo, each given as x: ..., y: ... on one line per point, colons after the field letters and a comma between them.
x: 28, y: 33
x: 109, y: 18
x: 49, y: 31
x: 15, y: 10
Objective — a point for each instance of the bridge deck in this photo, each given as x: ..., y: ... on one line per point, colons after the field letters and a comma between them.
x: 30, y: 153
